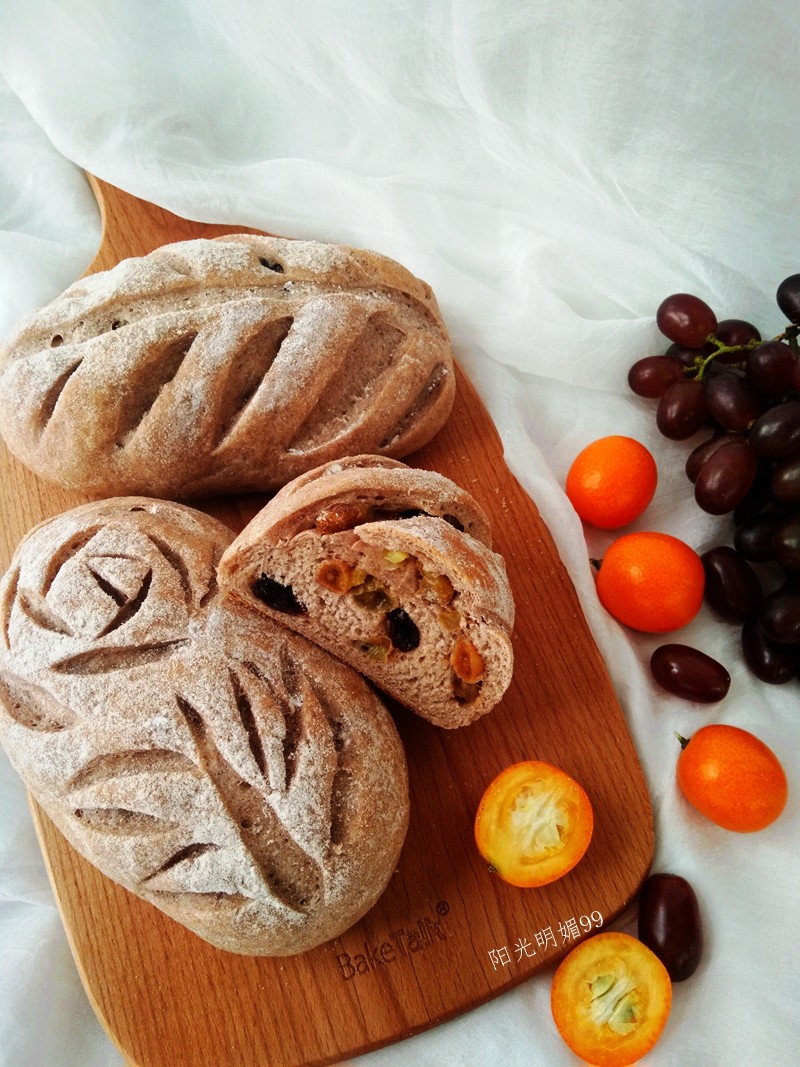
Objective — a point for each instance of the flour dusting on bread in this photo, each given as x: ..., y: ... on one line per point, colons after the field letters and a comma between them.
x: 225, y: 366
x: 216, y: 764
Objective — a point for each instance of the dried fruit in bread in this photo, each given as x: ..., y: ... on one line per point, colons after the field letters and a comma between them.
x: 391, y: 569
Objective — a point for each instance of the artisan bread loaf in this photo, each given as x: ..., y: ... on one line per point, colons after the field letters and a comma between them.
x: 391, y: 569
x: 221, y: 767
x: 225, y: 366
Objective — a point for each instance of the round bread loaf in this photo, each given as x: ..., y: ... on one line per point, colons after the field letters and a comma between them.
x: 391, y: 569
x: 219, y: 766
x: 225, y: 366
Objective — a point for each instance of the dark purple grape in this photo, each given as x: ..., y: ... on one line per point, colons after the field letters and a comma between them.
x: 752, y: 538
x: 735, y: 332
x: 759, y: 496
x: 689, y: 673
x: 772, y: 663
x: 698, y: 456
x: 788, y: 298
x: 725, y: 478
x: 685, y: 319
x: 785, y: 480
x: 779, y: 614
x: 786, y: 544
x: 652, y: 375
x: 770, y: 368
x: 682, y: 410
x: 732, y: 588
x: 776, y: 433
x: 731, y: 403
x: 669, y: 924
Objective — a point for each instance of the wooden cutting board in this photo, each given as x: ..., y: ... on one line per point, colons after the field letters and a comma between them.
x: 447, y: 935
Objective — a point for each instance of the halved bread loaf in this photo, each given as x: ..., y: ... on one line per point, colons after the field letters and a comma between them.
x: 218, y: 765
x: 391, y: 569
x: 225, y: 366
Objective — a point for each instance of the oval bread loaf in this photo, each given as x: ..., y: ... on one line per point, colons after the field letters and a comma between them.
x: 391, y: 569
x: 225, y: 366
x: 221, y: 767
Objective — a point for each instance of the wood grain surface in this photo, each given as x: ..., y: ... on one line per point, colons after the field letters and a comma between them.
x: 447, y: 935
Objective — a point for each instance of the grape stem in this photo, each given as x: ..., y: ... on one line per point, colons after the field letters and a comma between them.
x: 721, y: 349
x: 790, y: 334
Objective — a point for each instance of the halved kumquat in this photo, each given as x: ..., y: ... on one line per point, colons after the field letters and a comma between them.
x: 611, y: 998
x: 534, y: 824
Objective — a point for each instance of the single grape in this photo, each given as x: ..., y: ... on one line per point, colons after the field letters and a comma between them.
x: 652, y: 375
x: 770, y: 368
x: 735, y: 332
x: 788, y: 298
x: 733, y: 589
x: 779, y: 614
x: 770, y: 662
x: 705, y: 450
x: 689, y: 673
x: 776, y: 433
x: 725, y: 478
x: 752, y: 538
x: 686, y: 319
x: 731, y: 403
x: 682, y: 410
x: 759, y: 496
x: 785, y: 480
x: 786, y: 544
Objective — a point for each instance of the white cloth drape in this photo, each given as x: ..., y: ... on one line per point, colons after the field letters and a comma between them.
x: 553, y: 170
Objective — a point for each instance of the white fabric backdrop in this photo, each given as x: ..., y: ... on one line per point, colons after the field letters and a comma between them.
x: 553, y: 170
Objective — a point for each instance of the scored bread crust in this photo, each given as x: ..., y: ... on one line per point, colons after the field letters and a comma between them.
x: 217, y: 765
x: 225, y: 365
x: 351, y: 552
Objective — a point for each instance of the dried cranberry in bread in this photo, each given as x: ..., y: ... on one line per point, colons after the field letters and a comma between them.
x: 221, y: 767
x: 391, y: 569
x: 224, y: 366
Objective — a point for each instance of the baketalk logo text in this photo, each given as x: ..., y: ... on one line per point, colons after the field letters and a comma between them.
x: 425, y: 933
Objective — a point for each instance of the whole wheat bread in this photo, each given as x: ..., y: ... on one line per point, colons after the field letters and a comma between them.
x: 391, y: 569
x: 219, y: 766
x: 225, y: 366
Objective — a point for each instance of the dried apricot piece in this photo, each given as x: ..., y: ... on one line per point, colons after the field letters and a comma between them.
x: 610, y: 999
x: 335, y: 575
x: 534, y: 823
x: 340, y: 517
x: 466, y: 661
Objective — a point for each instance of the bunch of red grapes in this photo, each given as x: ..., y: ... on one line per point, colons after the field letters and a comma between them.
x: 745, y: 391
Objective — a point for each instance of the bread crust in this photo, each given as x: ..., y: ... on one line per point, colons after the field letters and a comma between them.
x: 339, y: 553
x: 217, y: 765
x: 224, y: 366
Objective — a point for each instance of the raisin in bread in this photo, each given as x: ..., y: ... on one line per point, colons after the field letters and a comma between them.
x: 225, y: 366
x: 221, y: 767
x: 391, y: 569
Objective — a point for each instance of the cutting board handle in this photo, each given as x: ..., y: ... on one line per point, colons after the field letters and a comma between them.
x: 134, y: 227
